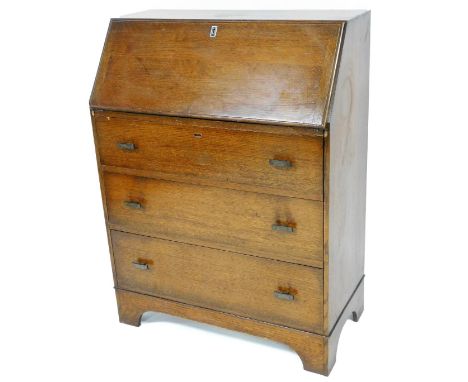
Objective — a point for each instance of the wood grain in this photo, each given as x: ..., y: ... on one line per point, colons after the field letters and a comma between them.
x: 345, y: 168
x: 281, y: 130
x: 177, y: 150
x: 103, y: 193
x: 352, y: 310
x: 318, y: 353
x: 244, y: 74
x: 207, y: 115
x: 220, y: 280
x: 310, y: 347
x: 218, y: 218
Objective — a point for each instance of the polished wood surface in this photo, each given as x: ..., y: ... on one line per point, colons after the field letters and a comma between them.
x: 280, y: 130
x: 218, y: 218
x: 103, y: 192
x: 311, y: 348
x: 233, y: 171
x: 270, y: 72
x: 317, y: 352
x: 352, y: 310
x: 178, y: 150
x: 220, y: 280
x: 346, y: 163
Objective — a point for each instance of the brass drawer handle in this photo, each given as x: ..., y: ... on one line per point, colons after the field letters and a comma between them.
x: 284, y: 296
x: 283, y: 228
x: 281, y: 164
x: 133, y: 204
x: 141, y: 266
x: 127, y: 146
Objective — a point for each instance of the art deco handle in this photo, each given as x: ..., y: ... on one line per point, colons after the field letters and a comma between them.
x: 283, y: 228
x: 284, y: 295
x: 127, y: 146
x: 133, y: 204
x: 139, y: 265
x: 281, y: 164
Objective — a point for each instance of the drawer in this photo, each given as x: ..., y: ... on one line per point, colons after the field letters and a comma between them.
x: 221, y: 280
x: 198, y: 152
x: 263, y: 225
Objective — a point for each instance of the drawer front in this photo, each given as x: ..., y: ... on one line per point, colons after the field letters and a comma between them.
x: 177, y: 149
x: 267, y: 290
x: 269, y: 226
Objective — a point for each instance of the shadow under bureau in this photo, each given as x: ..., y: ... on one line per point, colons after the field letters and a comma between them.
x: 232, y: 158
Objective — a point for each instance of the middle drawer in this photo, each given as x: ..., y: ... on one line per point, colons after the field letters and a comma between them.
x: 263, y: 225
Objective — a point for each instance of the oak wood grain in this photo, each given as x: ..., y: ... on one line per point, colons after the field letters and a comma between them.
x: 311, y: 347
x: 352, y: 310
x: 218, y: 218
x: 317, y: 352
x: 243, y: 74
x: 178, y: 150
x: 221, y: 280
x: 103, y: 193
x: 198, y: 197
x: 281, y: 130
x: 345, y: 168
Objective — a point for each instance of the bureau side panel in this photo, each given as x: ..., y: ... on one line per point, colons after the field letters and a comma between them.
x: 345, y: 171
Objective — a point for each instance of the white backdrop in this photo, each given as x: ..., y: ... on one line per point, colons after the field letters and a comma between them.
x: 58, y: 319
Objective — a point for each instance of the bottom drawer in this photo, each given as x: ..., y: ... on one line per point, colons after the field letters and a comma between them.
x: 267, y: 290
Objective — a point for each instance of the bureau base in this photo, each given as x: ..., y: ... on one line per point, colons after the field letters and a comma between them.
x: 317, y: 352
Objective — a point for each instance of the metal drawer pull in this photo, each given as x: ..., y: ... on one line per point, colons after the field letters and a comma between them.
x: 282, y: 164
x: 141, y: 266
x: 127, y: 146
x: 283, y: 228
x: 133, y: 204
x: 284, y: 296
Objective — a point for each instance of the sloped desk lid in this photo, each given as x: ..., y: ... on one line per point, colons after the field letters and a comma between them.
x: 252, y: 71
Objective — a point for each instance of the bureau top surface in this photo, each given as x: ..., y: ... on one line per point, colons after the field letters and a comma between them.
x: 272, y: 72
x: 298, y: 14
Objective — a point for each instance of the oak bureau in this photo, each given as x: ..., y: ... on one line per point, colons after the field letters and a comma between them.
x: 232, y: 150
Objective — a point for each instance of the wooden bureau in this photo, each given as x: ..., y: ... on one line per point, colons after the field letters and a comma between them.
x: 231, y: 149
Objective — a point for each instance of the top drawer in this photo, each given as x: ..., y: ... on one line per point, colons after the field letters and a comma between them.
x: 212, y: 153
